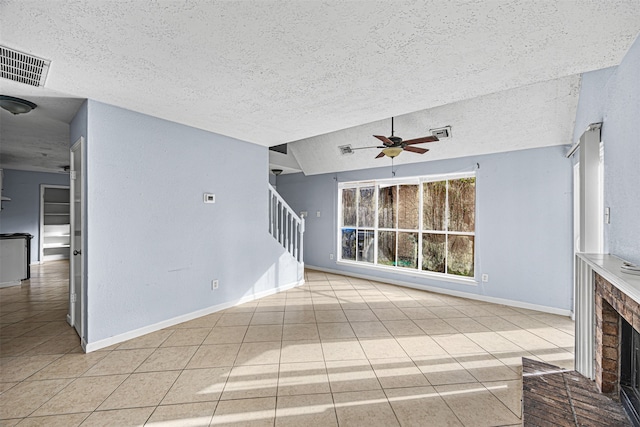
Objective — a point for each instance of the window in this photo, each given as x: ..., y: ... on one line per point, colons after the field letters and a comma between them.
x: 425, y: 224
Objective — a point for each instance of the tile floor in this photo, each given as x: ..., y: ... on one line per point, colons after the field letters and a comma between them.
x: 336, y: 351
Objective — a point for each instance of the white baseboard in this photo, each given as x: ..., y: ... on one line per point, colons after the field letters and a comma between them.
x: 468, y: 295
x: 56, y: 257
x: 116, y: 339
x: 12, y: 283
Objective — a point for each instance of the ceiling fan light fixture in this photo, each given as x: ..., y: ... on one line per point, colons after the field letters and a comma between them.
x: 392, y: 151
x: 16, y: 105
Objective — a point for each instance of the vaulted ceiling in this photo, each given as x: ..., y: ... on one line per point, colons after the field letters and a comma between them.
x: 503, y: 74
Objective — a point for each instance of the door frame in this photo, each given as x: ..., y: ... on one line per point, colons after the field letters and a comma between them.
x: 43, y: 188
x: 77, y: 320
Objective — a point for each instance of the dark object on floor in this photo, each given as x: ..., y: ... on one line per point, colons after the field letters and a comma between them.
x: 552, y: 396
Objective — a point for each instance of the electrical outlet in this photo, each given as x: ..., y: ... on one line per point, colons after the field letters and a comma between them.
x: 317, y: 214
x: 330, y: 256
x: 214, y: 284
x: 485, y: 278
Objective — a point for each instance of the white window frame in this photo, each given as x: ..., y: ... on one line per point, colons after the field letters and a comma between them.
x: 397, y: 269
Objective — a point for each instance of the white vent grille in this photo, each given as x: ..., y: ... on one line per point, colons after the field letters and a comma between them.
x: 345, y: 149
x: 22, y: 67
x: 442, y: 133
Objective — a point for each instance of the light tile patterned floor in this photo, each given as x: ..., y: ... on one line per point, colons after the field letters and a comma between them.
x: 336, y: 351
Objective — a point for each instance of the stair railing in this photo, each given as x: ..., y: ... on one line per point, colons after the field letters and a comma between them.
x: 285, y: 225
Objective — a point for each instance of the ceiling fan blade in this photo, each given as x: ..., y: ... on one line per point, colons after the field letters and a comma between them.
x: 421, y: 140
x: 384, y: 139
x: 380, y: 155
x: 416, y: 149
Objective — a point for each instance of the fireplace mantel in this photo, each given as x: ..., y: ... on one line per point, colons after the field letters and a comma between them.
x: 608, y: 267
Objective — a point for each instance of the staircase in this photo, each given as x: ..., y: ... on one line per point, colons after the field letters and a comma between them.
x: 285, y: 226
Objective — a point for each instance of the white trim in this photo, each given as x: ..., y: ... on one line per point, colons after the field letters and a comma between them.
x: 609, y: 267
x: 116, y: 339
x: 413, y: 272
x: 411, y: 180
x: 590, y: 211
x: 69, y: 320
x: 12, y: 283
x: 484, y: 298
x: 584, y: 306
x: 78, y: 146
x: 420, y: 231
x: 573, y: 149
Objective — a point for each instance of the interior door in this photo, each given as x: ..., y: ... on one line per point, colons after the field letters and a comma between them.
x: 76, y: 270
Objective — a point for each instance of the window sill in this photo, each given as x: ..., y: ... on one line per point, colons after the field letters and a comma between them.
x: 411, y: 273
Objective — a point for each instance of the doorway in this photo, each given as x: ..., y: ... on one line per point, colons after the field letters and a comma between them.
x: 54, y: 222
x: 76, y: 268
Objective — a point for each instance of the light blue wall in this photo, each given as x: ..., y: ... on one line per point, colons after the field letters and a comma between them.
x: 523, y: 225
x: 153, y: 246
x: 612, y: 96
x: 22, y: 213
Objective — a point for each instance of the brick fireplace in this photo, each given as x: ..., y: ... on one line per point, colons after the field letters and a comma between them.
x: 607, y: 314
x: 617, y: 326
x: 611, y: 304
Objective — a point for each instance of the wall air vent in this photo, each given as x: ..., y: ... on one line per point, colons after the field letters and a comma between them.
x: 345, y: 149
x: 22, y: 67
x: 441, y: 133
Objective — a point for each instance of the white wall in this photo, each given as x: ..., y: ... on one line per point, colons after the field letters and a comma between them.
x: 612, y: 96
x: 152, y: 246
x: 523, y: 224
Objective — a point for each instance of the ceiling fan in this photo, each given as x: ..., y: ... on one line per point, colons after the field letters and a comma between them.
x: 394, y: 145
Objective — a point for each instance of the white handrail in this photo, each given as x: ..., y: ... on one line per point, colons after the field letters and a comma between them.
x: 281, y: 200
x: 285, y: 225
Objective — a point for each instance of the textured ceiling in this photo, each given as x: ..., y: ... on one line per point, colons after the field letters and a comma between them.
x: 38, y: 141
x: 270, y: 72
x: 537, y: 115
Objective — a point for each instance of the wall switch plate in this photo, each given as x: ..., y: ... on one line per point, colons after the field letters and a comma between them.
x: 304, y: 214
x: 607, y: 215
x: 485, y: 278
x: 214, y: 284
x: 209, y: 198
x: 330, y: 256
x: 318, y: 214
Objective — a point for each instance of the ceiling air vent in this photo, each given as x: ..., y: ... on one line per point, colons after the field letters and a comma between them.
x: 441, y: 133
x: 22, y: 67
x: 345, y: 149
